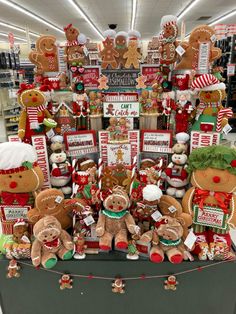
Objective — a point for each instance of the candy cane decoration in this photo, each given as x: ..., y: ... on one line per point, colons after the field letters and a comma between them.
x: 74, y: 185
x: 160, y: 171
x: 100, y: 166
x: 226, y: 112
x: 134, y: 165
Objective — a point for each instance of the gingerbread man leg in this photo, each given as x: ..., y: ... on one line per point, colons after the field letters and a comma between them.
x: 65, y: 254
x: 136, y: 64
x: 105, y: 65
x: 121, y: 240
x: 175, y: 256
x: 156, y: 254
x: 105, y: 241
x: 49, y: 260
x: 113, y: 64
x: 127, y: 64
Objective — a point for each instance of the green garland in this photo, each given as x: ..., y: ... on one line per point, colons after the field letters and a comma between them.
x: 114, y: 215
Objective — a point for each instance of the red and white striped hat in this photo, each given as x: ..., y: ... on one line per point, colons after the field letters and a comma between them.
x: 207, y: 82
x: 168, y: 20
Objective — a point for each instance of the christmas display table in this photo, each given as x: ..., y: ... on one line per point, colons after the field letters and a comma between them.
x: 205, y: 290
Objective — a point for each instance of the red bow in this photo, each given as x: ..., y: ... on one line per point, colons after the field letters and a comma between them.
x: 222, y: 198
x: 52, y: 244
x: 67, y: 27
x: 9, y: 198
x: 24, y: 87
x: 163, y: 221
x: 52, y: 54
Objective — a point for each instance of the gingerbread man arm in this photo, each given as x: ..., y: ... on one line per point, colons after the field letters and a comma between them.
x: 138, y: 55
x: 184, y: 45
x: 215, y: 54
x: 115, y: 53
x: 33, y: 215
x: 100, y: 228
x: 22, y: 124
x: 36, y: 253
x: 187, y: 201
x: 232, y: 209
x: 34, y: 58
x: 130, y: 223
x: 47, y: 114
x: 147, y: 236
x: 126, y: 54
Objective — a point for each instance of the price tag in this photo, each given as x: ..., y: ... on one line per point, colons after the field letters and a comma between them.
x: 156, y: 215
x: 226, y: 129
x: 180, y: 50
x: 89, y: 220
x: 25, y: 239
x: 86, y: 51
x: 230, y: 69
x: 58, y: 199
x: 50, y: 133
x: 190, y: 240
x: 213, y: 38
x: 34, y: 125
x: 172, y: 209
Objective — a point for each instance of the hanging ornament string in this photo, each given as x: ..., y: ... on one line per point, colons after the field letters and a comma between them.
x: 141, y: 277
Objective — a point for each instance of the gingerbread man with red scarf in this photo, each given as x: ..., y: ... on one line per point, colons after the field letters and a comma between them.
x: 211, y: 199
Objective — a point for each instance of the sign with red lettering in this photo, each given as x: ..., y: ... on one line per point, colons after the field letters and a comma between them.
x: 14, y: 212
x: 121, y: 109
x: 14, y: 138
x: 210, y: 216
x: 11, y: 39
x: 80, y: 142
x: 124, y: 152
x: 117, y: 96
x: 39, y: 143
x: 91, y: 75
x: 157, y: 141
x: 201, y: 139
x: 150, y: 71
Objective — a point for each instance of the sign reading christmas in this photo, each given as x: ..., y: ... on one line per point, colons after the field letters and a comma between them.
x: 14, y: 212
x: 210, y: 216
x: 121, y: 109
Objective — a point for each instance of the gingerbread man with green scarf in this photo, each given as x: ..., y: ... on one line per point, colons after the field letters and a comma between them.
x: 211, y: 200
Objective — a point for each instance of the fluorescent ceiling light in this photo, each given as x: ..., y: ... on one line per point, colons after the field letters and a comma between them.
x: 30, y: 14
x: 222, y: 17
x: 134, y: 9
x: 19, y: 38
x: 187, y: 9
x: 17, y: 28
x: 81, y: 12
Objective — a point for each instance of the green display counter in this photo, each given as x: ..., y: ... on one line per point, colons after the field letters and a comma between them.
x: 206, y: 290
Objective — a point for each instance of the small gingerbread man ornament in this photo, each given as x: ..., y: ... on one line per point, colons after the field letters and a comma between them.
x: 118, y: 286
x: 103, y: 80
x: 12, y: 269
x: 171, y: 283
x: 141, y: 82
x: 65, y: 282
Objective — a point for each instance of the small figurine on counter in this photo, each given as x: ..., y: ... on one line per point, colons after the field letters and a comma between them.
x: 80, y: 104
x: 80, y: 246
x: 20, y: 231
x: 118, y: 286
x: 133, y: 253
x: 13, y: 269
x: 171, y: 283
x: 65, y: 282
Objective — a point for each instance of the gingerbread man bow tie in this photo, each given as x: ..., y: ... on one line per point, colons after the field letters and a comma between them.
x: 9, y: 198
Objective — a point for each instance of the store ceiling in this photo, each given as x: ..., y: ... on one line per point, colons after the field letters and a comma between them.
x: 104, y: 12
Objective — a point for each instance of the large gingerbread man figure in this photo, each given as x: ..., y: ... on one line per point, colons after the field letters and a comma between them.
x: 45, y: 56
x: 109, y: 54
x: 132, y: 55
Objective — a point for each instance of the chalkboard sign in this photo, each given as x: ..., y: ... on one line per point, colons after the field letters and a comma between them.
x: 121, y: 78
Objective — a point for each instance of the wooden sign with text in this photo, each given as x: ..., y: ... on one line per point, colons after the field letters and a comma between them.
x: 121, y: 78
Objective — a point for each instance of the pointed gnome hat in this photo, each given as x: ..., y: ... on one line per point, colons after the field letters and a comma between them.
x: 207, y: 82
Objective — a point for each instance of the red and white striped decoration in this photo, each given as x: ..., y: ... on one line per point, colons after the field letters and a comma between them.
x: 134, y: 165
x: 100, y: 166
x: 226, y: 112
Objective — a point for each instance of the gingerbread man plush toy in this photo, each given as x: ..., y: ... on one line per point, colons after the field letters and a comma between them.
x: 45, y: 56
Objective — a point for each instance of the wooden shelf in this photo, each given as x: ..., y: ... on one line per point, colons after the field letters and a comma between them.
x: 11, y: 116
x: 12, y: 124
x: 11, y: 132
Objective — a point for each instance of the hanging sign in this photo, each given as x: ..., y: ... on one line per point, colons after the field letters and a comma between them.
x: 11, y: 40
x: 121, y: 78
x: 201, y: 139
x: 150, y: 71
x: 90, y: 76
x: 203, y: 58
x: 121, y: 109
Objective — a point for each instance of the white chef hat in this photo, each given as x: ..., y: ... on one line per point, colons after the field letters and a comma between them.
x: 152, y: 192
x: 13, y: 155
x: 133, y: 34
x: 110, y: 33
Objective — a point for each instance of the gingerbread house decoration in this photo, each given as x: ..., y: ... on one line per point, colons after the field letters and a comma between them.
x: 63, y: 115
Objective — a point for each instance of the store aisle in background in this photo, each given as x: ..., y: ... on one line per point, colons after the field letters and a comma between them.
x: 2, y: 131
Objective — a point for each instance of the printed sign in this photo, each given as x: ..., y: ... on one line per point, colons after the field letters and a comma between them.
x: 105, y: 146
x: 119, y: 153
x: 80, y: 142
x: 11, y: 39
x: 91, y: 76
x: 115, y: 96
x: 156, y: 141
x: 39, y: 143
x: 230, y: 69
x: 143, y: 248
x: 201, y: 139
x: 210, y: 216
x: 121, y: 109
x: 14, y: 138
x: 14, y: 212
x: 61, y: 61
x: 150, y: 71
x: 203, y: 58
x: 123, y: 78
